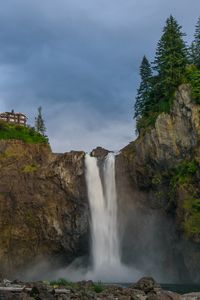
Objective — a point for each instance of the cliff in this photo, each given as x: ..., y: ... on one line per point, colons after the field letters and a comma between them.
x: 158, y: 180
x: 44, y: 213
x: 43, y: 207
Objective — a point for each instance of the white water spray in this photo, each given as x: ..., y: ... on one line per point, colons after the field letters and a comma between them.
x: 105, y: 248
x: 103, y: 205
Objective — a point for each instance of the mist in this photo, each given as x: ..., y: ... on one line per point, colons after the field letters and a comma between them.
x: 146, y: 237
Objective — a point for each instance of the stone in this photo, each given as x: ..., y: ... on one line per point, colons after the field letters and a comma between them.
x: 99, y: 152
x: 191, y: 296
x: 165, y: 295
x: 146, y: 284
x: 40, y: 291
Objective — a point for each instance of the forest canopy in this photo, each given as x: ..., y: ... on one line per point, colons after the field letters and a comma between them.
x: 174, y: 64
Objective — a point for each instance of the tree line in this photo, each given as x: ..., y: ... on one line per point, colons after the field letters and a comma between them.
x: 174, y: 64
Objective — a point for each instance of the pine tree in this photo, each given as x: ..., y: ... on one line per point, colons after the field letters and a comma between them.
x: 142, y: 103
x: 39, y: 122
x: 192, y: 53
x: 171, y: 59
x: 195, y: 46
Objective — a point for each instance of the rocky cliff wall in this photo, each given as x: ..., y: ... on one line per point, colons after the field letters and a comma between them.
x: 158, y: 182
x: 43, y: 207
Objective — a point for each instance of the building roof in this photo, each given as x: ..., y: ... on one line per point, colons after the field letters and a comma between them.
x: 13, y: 113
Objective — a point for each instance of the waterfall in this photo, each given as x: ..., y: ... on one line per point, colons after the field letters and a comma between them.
x: 103, y: 206
x: 112, y: 242
x: 105, y: 245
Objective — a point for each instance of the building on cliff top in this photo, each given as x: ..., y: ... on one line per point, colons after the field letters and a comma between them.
x: 14, y: 118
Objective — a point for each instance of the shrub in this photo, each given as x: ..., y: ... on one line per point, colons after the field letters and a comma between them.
x: 30, y: 168
x: 184, y: 172
x: 32, y: 131
x: 196, y: 205
x: 19, y: 127
x: 98, y: 287
x: 192, y: 225
x: 3, y: 125
x: 18, y: 132
x: 147, y: 121
x: 60, y: 282
x: 157, y: 179
x: 192, y: 221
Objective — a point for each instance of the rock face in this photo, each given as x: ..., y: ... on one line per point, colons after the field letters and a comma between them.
x: 99, y: 152
x: 158, y: 182
x: 174, y: 135
x: 43, y: 207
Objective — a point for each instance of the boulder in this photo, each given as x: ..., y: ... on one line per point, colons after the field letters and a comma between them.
x: 147, y: 285
x: 99, y: 152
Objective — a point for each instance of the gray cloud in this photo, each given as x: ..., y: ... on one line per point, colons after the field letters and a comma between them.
x: 86, y: 128
x: 80, y: 59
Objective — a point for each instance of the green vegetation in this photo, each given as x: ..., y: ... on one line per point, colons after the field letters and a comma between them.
x: 192, y: 225
x: 193, y: 204
x: 31, y: 219
x: 143, y: 94
x: 30, y: 168
x: 193, y: 75
x: 157, y: 179
x: 173, y: 65
x: 61, y: 282
x: 170, y: 60
x: 184, y: 176
x: 192, y: 221
x: 39, y: 122
x: 194, y: 50
x: 183, y: 173
x: 18, y: 132
x: 98, y: 287
x: 147, y: 121
x: 12, y: 153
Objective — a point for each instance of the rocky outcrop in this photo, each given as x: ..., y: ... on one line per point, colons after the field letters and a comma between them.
x: 99, y: 152
x: 43, y: 207
x: 174, y: 137
x: 158, y: 183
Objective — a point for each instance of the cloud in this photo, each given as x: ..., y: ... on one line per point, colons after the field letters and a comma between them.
x: 73, y: 53
x: 83, y: 128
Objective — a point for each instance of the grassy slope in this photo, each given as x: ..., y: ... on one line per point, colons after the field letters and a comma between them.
x: 18, y: 132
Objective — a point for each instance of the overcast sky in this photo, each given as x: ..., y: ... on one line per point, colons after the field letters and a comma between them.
x: 79, y: 60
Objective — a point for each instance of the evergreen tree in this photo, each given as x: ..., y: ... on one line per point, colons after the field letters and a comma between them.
x: 195, y: 46
x: 171, y: 59
x: 142, y: 103
x: 192, y: 53
x: 39, y: 122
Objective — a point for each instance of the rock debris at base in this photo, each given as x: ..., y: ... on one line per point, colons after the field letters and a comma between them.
x: 145, y: 289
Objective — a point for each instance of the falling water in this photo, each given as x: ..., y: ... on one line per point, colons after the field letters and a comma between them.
x: 105, y: 246
x: 103, y: 205
x: 112, y: 242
